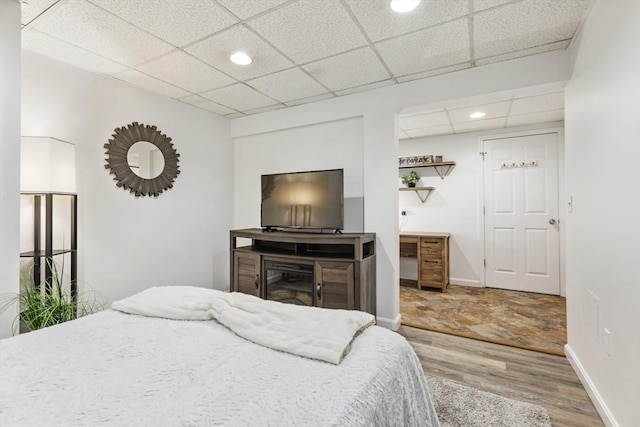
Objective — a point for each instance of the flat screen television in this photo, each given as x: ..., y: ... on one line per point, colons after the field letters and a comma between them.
x: 303, y: 200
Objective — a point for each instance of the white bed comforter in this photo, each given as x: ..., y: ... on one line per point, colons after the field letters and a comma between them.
x: 306, y: 331
x: 113, y: 369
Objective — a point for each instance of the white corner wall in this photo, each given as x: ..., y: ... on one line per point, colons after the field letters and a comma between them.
x: 378, y: 109
x: 602, y: 122
x: 455, y: 206
x: 127, y: 244
x: 9, y: 159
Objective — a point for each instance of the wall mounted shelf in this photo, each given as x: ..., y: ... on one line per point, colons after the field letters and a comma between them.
x: 442, y: 168
x: 422, y: 192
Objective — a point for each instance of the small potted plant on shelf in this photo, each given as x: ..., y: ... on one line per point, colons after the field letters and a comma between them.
x: 410, y: 179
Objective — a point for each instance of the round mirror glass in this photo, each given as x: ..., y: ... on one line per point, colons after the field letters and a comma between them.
x: 145, y: 160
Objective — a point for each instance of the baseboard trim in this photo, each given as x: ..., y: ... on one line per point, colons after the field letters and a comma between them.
x: 392, y: 324
x: 596, y: 399
x: 466, y: 282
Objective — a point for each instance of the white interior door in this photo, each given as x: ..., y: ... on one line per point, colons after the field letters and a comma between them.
x: 521, y: 213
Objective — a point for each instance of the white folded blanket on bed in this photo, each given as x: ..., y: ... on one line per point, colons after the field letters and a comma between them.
x: 311, y: 332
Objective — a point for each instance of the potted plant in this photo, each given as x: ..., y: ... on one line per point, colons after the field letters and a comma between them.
x: 410, y: 179
x: 39, y: 308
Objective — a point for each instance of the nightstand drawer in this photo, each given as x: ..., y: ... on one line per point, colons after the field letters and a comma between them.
x: 433, y: 274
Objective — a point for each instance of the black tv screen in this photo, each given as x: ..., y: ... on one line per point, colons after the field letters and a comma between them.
x: 313, y: 199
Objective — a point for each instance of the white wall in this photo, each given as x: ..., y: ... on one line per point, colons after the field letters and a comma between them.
x: 603, y: 231
x: 331, y: 145
x: 455, y: 206
x: 9, y: 157
x: 127, y: 244
x: 380, y: 150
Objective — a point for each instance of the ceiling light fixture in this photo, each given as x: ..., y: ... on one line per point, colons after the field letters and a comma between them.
x: 241, y: 58
x: 477, y: 115
x: 403, y: 6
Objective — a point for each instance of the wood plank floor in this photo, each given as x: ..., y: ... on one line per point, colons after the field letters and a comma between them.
x: 538, y: 378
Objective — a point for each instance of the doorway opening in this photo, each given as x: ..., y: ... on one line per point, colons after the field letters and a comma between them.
x: 500, y: 206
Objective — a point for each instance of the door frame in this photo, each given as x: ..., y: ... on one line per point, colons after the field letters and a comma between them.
x: 562, y: 204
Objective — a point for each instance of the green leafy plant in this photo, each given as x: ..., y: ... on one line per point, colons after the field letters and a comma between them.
x: 50, y: 304
x: 410, y: 179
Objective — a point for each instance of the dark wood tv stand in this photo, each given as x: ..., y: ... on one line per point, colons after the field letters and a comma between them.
x: 343, y: 265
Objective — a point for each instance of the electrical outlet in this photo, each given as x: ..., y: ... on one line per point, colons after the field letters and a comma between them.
x: 607, y: 341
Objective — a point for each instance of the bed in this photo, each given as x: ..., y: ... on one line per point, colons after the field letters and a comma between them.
x: 117, y: 369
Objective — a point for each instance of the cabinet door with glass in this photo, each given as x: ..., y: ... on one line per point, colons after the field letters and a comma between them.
x: 334, y: 284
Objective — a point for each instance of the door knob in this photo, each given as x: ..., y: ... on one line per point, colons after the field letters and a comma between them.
x: 552, y: 221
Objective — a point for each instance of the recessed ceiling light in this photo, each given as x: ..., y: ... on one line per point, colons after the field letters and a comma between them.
x: 241, y: 58
x: 402, y: 6
x: 477, y: 115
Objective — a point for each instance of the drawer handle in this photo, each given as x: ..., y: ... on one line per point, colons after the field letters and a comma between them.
x: 431, y: 261
x: 431, y: 241
x: 319, y: 290
x: 257, y: 282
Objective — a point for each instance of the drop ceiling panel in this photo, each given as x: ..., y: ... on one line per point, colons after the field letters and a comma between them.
x: 205, y: 104
x: 314, y: 29
x: 288, y: 85
x: 176, y: 21
x: 356, y: 68
x: 526, y: 24
x: 187, y: 72
x: 426, y: 120
x: 303, y: 50
x: 541, y: 117
x: 380, y: 22
x: 432, y: 131
x: 370, y: 86
x: 436, y: 72
x: 216, y: 51
x: 492, y: 110
x: 239, y: 97
x: 265, y: 109
x: 310, y: 99
x: 520, y: 53
x: 245, y: 9
x: 487, y: 4
x: 479, y: 125
x: 136, y: 78
x: 84, y: 24
x: 545, y: 102
x: 46, y: 45
x: 31, y: 9
x: 437, y: 47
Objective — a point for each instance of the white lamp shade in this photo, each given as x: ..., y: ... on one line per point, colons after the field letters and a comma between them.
x: 47, y: 165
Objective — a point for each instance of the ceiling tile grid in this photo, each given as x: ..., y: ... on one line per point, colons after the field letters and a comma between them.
x: 205, y: 104
x: 85, y: 25
x: 176, y: 21
x: 288, y: 85
x: 303, y: 50
x: 380, y: 23
x: 185, y: 71
x: 215, y: 51
x: 43, y: 44
x: 152, y: 84
x: 240, y: 97
x: 435, y: 47
x: 526, y: 24
x: 314, y: 30
x: 355, y: 68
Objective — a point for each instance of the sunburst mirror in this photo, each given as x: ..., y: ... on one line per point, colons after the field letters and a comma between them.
x: 142, y: 160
